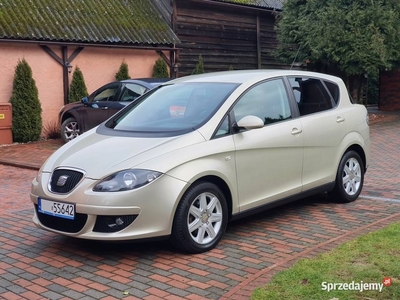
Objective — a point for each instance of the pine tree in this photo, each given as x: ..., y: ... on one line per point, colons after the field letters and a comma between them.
x: 123, y: 72
x: 160, y: 69
x: 199, y: 66
x: 26, y: 107
x: 78, y: 88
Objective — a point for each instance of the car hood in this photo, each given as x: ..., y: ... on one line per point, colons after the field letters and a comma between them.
x: 100, y: 155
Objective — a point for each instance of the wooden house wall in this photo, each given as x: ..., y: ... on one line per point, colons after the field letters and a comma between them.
x: 224, y: 36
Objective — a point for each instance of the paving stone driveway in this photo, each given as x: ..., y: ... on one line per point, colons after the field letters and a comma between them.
x: 35, y: 264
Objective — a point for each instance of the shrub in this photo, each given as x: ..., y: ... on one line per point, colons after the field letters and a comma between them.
x: 199, y: 66
x: 52, y: 130
x: 123, y: 72
x: 160, y: 69
x: 27, y: 110
x: 78, y: 88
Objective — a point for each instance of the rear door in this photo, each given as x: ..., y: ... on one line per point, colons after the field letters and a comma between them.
x: 324, y: 128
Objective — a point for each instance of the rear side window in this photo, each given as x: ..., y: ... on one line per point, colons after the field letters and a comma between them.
x: 311, y: 95
x: 132, y: 91
x: 334, y: 90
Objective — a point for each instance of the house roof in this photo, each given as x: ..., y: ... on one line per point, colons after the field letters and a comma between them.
x: 165, y: 8
x: 119, y: 22
x: 269, y: 4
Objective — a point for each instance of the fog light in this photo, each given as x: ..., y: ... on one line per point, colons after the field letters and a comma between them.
x: 119, y: 221
x: 111, y: 222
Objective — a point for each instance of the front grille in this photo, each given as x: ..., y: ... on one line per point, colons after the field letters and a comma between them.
x: 109, y: 224
x: 61, y: 224
x: 64, y: 180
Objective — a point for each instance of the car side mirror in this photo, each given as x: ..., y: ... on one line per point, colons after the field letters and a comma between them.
x: 85, y: 100
x: 249, y: 122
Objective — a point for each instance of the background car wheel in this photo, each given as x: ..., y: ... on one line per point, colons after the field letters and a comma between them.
x: 200, y: 219
x: 69, y: 129
x: 349, y: 178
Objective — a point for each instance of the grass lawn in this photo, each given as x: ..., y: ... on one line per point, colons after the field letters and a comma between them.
x: 367, y: 259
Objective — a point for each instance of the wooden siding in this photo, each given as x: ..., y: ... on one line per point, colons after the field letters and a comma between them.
x: 389, y: 90
x: 224, y: 37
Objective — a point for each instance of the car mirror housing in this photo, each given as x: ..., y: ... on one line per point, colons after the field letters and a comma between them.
x: 85, y: 100
x: 249, y: 122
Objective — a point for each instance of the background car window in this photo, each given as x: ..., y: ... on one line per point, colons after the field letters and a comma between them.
x: 334, y: 90
x: 132, y: 91
x: 268, y: 101
x: 310, y: 94
x: 106, y: 94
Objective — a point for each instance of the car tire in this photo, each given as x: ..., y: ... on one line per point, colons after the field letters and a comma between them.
x: 69, y: 129
x: 349, y: 178
x: 200, y: 219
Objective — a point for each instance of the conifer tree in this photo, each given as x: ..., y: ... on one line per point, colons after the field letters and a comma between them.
x: 78, y: 88
x: 123, y: 72
x: 199, y: 66
x: 160, y: 69
x: 26, y: 107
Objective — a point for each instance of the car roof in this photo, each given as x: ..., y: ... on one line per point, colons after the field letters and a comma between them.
x: 147, y: 81
x: 242, y: 76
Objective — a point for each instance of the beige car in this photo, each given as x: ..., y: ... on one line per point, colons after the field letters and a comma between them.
x: 202, y: 150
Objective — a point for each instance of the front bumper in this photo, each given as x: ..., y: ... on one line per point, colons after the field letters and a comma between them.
x: 146, y: 212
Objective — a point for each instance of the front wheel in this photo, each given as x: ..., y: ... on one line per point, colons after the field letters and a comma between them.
x: 349, y: 178
x: 69, y: 129
x: 200, y: 219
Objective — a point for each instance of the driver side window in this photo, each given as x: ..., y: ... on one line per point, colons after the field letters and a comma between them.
x: 106, y: 94
x: 267, y: 100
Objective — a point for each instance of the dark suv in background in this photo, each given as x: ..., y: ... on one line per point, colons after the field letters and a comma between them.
x: 76, y: 118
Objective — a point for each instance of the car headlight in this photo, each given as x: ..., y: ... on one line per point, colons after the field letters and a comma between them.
x: 126, y: 180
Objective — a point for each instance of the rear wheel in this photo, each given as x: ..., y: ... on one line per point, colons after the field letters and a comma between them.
x: 200, y: 219
x: 69, y: 129
x: 349, y: 178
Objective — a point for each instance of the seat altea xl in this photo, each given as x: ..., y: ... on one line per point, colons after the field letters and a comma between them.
x: 199, y: 151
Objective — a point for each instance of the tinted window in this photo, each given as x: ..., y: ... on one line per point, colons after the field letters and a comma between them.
x: 334, y: 90
x: 311, y: 95
x: 268, y: 101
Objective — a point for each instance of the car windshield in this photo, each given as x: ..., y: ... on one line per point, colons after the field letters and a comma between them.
x: 175, y: 107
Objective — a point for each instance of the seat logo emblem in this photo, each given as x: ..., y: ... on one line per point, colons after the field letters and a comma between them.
x: 62, y: 180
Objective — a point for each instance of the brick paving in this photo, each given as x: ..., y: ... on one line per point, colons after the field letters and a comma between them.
x: 36, y: 264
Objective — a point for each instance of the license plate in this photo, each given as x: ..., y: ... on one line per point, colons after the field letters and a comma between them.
x: 57, y: 209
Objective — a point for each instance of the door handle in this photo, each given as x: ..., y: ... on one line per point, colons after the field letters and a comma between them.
x: 296, y: 131
x: 104, y: 107
x: 340, y: 119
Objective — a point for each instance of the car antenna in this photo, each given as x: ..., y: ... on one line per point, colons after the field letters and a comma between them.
x: 298, y: 50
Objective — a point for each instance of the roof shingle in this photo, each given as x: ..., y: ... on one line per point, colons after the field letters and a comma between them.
x: 270, y: 4
x: 85, y: 21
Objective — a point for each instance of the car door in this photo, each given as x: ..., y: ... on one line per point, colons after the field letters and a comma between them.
x: 129, y: 92
x: 97, y: 110
x: 268, y: 159
x: 324, y: 128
